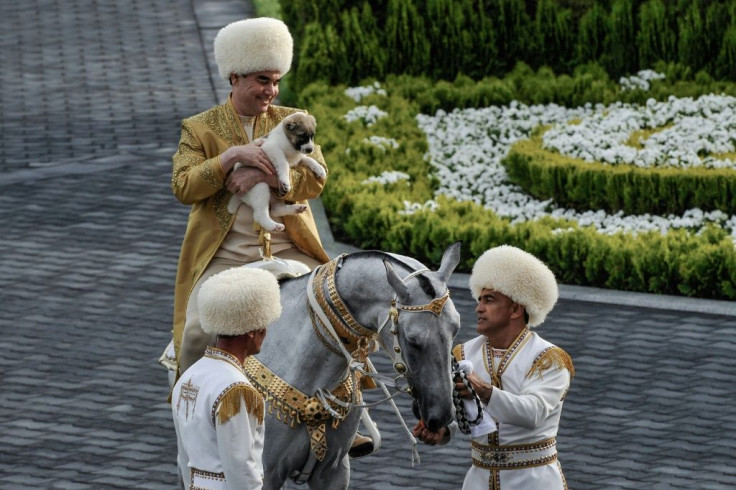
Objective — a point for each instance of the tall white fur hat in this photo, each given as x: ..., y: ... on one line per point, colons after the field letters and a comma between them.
x: 520, y: 276
x: 238, y: 300
x: 253, y: 45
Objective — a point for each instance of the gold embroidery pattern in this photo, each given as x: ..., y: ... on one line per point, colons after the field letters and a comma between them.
x: 511, y: 457
x: 204, y: 475
x: 552, y: 357
x: 505, y: 360
x: 228, y: 404
x: 209, y: 175
x: 219, y: 202
x: 188, y: 394
x: 219, y: 354
x: 221, y: 120
x: 187, y: 156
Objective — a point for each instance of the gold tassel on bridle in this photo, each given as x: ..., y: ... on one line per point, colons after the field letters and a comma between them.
x: 231, y: 402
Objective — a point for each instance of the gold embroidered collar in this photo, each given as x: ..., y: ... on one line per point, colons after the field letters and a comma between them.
x: 222, y: 355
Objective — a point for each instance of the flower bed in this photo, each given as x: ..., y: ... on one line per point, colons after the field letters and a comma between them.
x: 443, y: 180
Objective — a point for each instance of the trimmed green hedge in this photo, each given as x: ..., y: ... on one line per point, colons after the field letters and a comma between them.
x: 575, y: 183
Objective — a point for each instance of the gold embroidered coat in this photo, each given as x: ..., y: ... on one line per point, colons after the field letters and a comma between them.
x: 198, y: 179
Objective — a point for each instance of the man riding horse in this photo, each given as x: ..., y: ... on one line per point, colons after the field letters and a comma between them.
x: 252, y: 55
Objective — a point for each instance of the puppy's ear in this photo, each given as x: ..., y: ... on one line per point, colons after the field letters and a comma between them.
x: 312, y: 120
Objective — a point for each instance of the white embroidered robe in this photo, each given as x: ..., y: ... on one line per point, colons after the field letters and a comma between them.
x: 535, y: 377
x: 218, y: 417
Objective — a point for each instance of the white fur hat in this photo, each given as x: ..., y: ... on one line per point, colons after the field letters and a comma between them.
x: 520, y: 276
x: 253, y: 45
x: 238, y: 301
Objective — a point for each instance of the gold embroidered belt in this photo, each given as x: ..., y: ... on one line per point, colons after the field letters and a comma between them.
x: 515, y: 456
x: 206, y: 480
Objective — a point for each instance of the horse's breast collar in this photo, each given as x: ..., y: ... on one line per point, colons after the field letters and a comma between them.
x: 294, y: 407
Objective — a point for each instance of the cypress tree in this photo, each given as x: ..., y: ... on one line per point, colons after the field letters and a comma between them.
x: 717, y: 20
x: 322, y: 55
x: 359, y: 35
x: 726, y: 63
x: 554, y: 31
x: 406, y: 43
x: 479, y: 40
x: 445, y: 28
x: 655, y: 39
x: 692, y: 38
x: 621, y: 42
x: 513, y: 35
x: 594, y: 29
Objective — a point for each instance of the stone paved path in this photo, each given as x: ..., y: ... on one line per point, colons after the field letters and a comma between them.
x: 91, y: 95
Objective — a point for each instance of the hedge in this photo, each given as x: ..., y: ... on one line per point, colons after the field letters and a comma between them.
x: 577, y: 184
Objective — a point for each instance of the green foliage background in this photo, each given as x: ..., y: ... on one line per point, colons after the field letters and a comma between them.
x: 346, y: 41
x: 445, y: 54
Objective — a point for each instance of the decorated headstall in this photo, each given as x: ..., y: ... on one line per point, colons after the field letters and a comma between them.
x: 435, y: 306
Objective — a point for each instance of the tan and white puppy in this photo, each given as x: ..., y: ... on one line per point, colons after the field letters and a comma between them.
x: 286, y: 146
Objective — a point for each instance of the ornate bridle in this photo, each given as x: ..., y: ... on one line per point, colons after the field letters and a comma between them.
x: 355, y: 342
x: 353, y: 339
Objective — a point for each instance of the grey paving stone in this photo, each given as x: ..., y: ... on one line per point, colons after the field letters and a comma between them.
x: 89, y: 119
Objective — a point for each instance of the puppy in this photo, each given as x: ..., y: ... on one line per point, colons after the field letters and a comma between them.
x: 286, y: 146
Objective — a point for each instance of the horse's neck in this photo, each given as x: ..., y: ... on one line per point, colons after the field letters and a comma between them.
x: 293, y: 350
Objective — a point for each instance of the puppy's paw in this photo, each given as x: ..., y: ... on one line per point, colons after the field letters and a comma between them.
x: 278, y: 227
x: 300, y: 208
x: 320, y: 173
x: 284, y: 188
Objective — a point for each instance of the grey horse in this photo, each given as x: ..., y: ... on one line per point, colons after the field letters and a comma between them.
x: 372, y: 295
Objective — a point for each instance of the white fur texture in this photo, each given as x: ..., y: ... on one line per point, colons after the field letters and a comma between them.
x: 239, y: 300
x: 283, y: 156
x: 520, y: 276
x: 253, y: 45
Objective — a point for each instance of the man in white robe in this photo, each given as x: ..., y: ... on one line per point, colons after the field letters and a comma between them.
x: 218, y: 414
x: 520, y: 378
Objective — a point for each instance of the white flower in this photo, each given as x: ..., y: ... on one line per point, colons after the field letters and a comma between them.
x: 413, y: 207
x: 368, y: 114
x: 640, y: 80
x: 388, y: 177
x: 382, y: 142
x: 467, y: 146
x: 689, y: 128
x: 357, y: 93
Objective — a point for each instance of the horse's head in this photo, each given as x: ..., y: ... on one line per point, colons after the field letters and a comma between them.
x: 423, y: 324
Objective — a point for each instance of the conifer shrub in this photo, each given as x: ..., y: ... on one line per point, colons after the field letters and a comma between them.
x: 577, y: 184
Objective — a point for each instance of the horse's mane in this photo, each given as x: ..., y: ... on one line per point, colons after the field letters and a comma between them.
x: 424, y: 282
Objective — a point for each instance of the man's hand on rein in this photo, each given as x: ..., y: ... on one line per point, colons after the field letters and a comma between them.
x: 482, y: 388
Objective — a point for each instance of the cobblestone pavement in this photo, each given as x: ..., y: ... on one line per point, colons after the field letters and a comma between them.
x: 91, y: 96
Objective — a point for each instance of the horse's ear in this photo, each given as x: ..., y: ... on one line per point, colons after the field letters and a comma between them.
x: 450, y: 259
x: 395, y: 281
